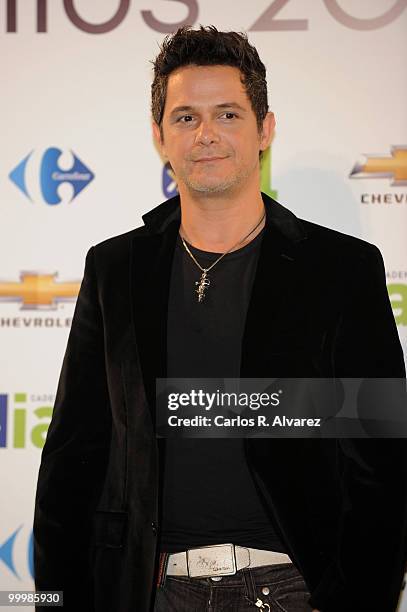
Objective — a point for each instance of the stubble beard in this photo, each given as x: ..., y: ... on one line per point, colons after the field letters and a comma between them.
x: 232, y: 181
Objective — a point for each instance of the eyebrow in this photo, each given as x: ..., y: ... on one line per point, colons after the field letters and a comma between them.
x: 179, y: 109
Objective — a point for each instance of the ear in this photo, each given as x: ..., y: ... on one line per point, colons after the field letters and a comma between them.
x: 269, y: 123
x: 157, y: 137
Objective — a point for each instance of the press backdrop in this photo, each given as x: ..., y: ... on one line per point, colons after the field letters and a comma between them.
x: 78, y: 165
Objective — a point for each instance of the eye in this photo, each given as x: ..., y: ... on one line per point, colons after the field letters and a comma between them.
x: 188, y: 119
x: 229, y: 115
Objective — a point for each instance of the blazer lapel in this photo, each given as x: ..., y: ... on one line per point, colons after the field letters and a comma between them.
x: 151, y: 262
x: 274, y: 320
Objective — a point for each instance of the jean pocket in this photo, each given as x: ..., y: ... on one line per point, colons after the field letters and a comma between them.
x: 291, y: 594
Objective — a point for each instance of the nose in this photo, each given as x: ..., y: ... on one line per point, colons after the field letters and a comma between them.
x: 206, y: 134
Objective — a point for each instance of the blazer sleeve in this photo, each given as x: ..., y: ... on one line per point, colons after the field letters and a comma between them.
x: 74, y: 457
x: 372, y: 540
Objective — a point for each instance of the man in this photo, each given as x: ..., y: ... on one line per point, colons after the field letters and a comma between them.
x: 221, y: 281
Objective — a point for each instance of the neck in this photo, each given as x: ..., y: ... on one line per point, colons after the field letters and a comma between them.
x: 216, y: 222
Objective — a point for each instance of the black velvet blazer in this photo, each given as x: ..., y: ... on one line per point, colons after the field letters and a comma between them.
x: 319, y: 308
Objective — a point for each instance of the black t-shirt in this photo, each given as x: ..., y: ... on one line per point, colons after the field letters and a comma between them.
x: 208, y: 493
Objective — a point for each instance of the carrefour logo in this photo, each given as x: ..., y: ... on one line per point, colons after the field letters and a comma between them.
x: 24, y: 420
x: 40, y: 176
x: 8, y: 554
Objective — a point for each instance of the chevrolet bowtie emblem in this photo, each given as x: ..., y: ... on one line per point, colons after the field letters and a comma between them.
x: 374, y: 166
x: 38, y: 291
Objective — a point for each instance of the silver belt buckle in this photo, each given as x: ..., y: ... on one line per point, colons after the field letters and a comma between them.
x: 216, y: 560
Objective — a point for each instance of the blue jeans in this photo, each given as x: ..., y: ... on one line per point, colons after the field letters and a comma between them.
x: 280, y: 587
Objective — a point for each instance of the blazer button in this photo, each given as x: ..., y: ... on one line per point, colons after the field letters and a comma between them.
x: 154, y: 528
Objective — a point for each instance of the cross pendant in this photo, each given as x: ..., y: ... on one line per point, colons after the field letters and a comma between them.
x: 202, y: 284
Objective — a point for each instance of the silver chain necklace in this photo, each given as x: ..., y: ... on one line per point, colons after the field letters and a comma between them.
x: 204, y: 281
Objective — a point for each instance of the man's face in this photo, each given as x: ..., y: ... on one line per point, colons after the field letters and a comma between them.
x: 209, y: 129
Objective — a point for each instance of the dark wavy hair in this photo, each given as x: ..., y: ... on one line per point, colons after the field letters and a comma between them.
x: 207, y: 47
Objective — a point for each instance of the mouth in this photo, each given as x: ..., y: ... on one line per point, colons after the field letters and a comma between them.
x: 208, y: 159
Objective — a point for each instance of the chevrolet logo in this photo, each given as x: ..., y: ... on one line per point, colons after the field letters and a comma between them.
x: 374, y: 166
x: 38, y: 291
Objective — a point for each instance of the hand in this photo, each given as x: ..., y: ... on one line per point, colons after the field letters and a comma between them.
x: 315, y: 610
